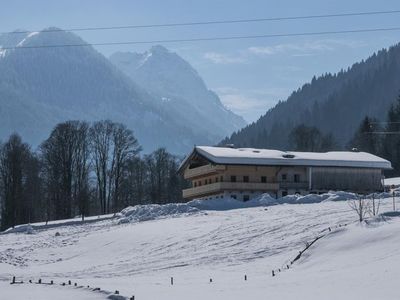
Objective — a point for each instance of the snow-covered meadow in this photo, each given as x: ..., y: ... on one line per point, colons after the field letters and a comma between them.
x: 139, y: 251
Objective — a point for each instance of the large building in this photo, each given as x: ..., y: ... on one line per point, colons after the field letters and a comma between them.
x: 244, y: 173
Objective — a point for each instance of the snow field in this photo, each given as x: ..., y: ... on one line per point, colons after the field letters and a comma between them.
x: 139, y: 258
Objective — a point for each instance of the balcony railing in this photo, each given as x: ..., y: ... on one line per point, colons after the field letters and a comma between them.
x: 218, y: 187
x: 203, y: 170
x: 293, y: 185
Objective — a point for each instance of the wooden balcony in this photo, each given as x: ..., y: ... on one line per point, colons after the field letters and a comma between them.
x: 203, y: 170
x: 293, y: 185
x: 219, y: 187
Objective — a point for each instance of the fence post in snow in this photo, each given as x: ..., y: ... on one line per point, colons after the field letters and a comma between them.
x: 116, y: 293
x: 51, y: 282
x: 245, y: 277
x: 172, y: 280
x: 69, y: 282
x: 13, y: 280
x: 273, y: 273
x: 394, y: 202
x: 210, y: 280
x: 132, y: 298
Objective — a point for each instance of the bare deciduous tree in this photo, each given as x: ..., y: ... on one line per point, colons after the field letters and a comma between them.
x: 65, y: 159
x: 15, y: 160
x: 361, y: 206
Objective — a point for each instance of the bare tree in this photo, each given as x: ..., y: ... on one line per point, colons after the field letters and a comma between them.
x: 125, y: 147
x: 374, y: 208
x: 15, y: 157
x: 100, y: 143
x: 65, y: 159
x: 361, y: 206
x: 113, y: 145
x: 81, y: 168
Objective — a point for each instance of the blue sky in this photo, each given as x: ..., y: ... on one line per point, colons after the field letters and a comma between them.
x: 250, y: 76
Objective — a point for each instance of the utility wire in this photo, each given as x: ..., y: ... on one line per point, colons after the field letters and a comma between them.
x: 221, y: 38
x: 385, y: 132
x: 383, y: 122
x: 322, y: 16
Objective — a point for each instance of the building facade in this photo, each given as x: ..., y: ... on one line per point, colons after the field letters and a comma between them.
x: 217, y: 172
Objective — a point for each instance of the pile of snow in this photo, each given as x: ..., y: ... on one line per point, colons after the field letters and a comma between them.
x: 314, y: 198
x: 26, y: 228
x: 148, y: 212
x: 230, y: 203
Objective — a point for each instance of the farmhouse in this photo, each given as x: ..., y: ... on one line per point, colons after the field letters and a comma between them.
x: 244, y: 173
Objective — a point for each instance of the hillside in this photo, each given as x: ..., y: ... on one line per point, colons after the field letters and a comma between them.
x: 41, y: 87
x: 335, y: 103
x: 180, y: 90
x: 138, y: 258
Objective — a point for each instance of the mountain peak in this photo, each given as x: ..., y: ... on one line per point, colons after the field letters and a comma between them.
x: 159, y: 49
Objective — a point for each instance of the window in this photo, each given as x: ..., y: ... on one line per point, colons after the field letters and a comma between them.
x: 246, y: 198
x: 199, y: 183
x: 284, y: 193
x: 245, y: 178
x: 264, y: 179
x: 205, y: 182
x: 233, y: 178
x: 222, y: 178
x: 216, y: 179
x: 209, y: 181
x: 296, y: 178
x: 233, y: 196
x: 195, y: 184
x: 284, y: 177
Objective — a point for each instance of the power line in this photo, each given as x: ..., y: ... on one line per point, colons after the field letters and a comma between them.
x: 383, y: 122
x: 322, y: 16
x: 385, y: 132
x: 221, y: 38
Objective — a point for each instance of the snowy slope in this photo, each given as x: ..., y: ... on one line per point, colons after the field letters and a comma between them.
x: 139, y: 258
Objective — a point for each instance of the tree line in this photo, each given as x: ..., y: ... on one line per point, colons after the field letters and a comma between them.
x: 372, y: 136
x: 333, y: 103
x: 381, y: 138
x: 82, y: 169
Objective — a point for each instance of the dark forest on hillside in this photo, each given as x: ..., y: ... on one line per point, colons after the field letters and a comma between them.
x: 333, y: 103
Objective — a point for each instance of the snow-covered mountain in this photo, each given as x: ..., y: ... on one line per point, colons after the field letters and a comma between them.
x: 179, y: 89
x: 40, y: 87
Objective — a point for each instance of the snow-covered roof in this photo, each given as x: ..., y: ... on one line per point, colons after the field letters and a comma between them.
x: 251, y: 156
x: 392, y: 181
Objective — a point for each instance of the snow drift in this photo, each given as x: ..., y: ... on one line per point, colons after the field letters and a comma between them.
x: 148, y: 212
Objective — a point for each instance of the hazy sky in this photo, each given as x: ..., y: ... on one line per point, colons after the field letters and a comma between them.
x: 251, y: 75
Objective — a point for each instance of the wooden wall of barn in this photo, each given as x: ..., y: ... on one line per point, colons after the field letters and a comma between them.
x: 351, y: 179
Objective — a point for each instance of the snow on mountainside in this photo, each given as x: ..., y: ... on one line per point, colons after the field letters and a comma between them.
x: 180, y: 90
x: 41, y: 87
x: 358, y: 261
